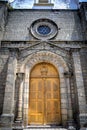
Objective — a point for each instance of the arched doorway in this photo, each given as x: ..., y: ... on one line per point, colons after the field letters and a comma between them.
x: 44, y: 95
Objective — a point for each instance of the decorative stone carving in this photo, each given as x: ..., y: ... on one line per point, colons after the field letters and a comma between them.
x: 44, y: 70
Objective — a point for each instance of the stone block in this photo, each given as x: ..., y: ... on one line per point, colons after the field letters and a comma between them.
x: 64, y: 111
x: 6, y: 120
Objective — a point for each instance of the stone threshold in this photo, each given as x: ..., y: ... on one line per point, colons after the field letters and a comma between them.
x: 38, y: 127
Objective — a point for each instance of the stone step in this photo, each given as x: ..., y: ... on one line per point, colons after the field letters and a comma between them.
x: 40, y: 128
x: 44, y: 128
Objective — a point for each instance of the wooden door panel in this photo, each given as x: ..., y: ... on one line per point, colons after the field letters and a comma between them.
x: 36, y: 102
x: 52, y: 101
x: 44, y: 95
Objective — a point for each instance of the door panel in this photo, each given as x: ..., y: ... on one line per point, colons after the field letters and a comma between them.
x: 52, y: 101
x: 36, y: 102
x: 44, y: 95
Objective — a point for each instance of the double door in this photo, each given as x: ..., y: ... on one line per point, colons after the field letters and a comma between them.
x: 44, y: 96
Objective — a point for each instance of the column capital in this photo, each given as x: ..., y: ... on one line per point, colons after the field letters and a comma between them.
x: 75, y: 49
x: 13, y: 51
x: 68, y: 74
x: 20, y: 75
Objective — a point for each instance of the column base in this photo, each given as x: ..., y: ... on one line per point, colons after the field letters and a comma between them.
x: 83, y: 119
x: 18, y: 123
x: 71, y: 125
x: 19, y: 120
x: 6, y: 121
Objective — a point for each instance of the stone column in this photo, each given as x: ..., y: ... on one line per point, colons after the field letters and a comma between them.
x: 69, y: 103
x: 79, y: 82
x: 8, y: 104
x: 20, y: 77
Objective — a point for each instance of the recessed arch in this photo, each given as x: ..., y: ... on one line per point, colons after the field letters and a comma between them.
x: 60, y: 65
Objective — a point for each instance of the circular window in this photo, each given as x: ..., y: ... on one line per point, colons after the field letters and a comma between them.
x: 44, y: 29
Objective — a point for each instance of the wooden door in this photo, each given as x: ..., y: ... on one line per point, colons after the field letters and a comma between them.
x: 44, y: 95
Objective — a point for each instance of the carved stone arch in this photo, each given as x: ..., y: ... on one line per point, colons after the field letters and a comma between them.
x: 45, y: 56
x: 61, y: 66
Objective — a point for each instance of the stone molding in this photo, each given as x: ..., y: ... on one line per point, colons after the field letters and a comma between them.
x: 24, y: 44
x: 43, y: 56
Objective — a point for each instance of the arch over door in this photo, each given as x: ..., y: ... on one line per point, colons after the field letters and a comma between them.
x: 44, y: 95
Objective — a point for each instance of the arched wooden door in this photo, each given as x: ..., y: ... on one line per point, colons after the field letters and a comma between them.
x: 44, y: 95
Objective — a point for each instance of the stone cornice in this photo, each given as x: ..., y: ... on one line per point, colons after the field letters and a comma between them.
x: 24, y: 44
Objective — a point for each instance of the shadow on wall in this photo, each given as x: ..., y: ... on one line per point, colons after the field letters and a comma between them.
x: 77, y: 34
x: 3, y: 76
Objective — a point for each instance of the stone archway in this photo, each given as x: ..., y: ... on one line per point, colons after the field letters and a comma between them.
x: 61, y: 66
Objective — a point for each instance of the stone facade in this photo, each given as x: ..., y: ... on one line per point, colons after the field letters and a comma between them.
x: 20, y: 51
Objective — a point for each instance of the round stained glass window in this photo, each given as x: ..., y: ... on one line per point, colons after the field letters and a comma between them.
x: 44, y: 29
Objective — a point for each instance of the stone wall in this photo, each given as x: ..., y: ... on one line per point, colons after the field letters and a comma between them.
x: 3, y: 72
x: 19, y: 22
x: 83, y: 17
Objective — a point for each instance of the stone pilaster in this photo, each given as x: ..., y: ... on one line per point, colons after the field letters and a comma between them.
x: 8, y: 104
x: 20, y: 77
x: 79, y: 83
x: 69, y: 101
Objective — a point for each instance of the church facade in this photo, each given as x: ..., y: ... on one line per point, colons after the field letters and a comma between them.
x: 43, y: 67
